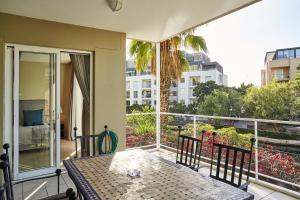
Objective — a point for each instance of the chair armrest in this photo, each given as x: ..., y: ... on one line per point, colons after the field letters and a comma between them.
x: 245, y: 186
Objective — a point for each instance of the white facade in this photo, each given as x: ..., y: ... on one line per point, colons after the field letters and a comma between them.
x: 140, y: 89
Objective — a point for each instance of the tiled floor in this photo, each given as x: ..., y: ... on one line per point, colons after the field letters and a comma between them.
x: 37, y: 189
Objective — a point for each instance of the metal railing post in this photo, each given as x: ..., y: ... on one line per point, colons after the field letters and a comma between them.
x: 157, y: 95
x: 256, y: 150
x: 195, y: 126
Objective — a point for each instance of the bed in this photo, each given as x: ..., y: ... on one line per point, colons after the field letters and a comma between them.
x: 33, y: 136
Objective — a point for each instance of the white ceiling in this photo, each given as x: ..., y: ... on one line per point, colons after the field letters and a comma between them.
x: 150, y: 20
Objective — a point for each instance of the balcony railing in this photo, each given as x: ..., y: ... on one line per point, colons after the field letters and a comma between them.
x: 276, y: 154
x: 280, y: 77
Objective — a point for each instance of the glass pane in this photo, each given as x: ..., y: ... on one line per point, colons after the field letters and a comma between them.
x: 36, y: 111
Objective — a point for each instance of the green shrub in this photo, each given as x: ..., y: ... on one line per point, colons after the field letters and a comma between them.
x: 143, y: 124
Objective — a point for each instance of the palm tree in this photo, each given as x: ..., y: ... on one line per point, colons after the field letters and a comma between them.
x: 172, y: 63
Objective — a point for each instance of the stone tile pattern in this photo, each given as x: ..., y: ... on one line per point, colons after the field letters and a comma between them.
x: 159, y: 179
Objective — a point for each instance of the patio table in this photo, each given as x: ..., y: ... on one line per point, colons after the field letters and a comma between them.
x: 105, y: 177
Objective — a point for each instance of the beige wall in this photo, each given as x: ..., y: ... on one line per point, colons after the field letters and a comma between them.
x: 109, y: 58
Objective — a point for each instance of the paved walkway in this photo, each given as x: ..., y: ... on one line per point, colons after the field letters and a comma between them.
x: 42, y: 188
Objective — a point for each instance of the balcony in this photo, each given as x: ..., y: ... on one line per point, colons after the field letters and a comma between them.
x: 281, y: 77
x: 277, y: 143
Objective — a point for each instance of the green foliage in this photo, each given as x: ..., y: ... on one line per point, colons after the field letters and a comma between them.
x: 235, y: 138
x: 273, y: 101
x: 227, y: 135
x: 189, y: 128
x: 204, y: 89
x: 178, y: 108
x: 136, y: 108
x: 144, y: 124
x: 221, y: 103
x: 182, y: 108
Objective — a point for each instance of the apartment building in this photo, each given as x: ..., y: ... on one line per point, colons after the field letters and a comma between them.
x: 281, y: 65
x: 141, y: 87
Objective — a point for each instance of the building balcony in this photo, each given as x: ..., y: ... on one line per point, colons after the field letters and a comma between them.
x: 280, y: 77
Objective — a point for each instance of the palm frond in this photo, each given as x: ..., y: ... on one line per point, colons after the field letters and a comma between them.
x: 176, y: 42
x: 142, y: 53
x: 197, y: 43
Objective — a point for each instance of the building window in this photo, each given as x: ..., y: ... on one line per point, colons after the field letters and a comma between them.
x: 127, y: 85
x: 174, y: 84
x: 146, y: 94
x: 292, y: 53
x: 146, y: 102
x: 182, y: 101
x: 135, y: 102
x: 128, y: 94
x: 280, y: 55
x: 135, y: 94
x: 182, y: 80
x: 127, y: 103
x: 194, y: 80
x: 194, y: 67
x: 174, y: 93
x: 278, y: 74
x: 146, y: 83
x: 297, y: 53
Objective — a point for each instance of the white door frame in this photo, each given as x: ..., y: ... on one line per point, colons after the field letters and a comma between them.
x: 42, y: 171
x: 8, y: 121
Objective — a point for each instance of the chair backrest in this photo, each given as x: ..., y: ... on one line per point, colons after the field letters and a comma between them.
x: 6, y: 149
x: 188, y: 150
x: 7, y: 180
x: 2, y: 193
x: 107, y: 138
x: 239, y: 156
x: 84, y: 143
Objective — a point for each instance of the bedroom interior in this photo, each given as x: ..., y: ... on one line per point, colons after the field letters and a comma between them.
x: 36, y: 108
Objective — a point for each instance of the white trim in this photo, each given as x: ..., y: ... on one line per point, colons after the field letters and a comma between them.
x: 16, y: 113
x: 56, y: 63
x: 8, y: 96
x: 57, y: 90
x: 157, y: 95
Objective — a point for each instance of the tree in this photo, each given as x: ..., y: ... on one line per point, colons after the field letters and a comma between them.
x: 203, y: 89
x: 243, y: 88
x: 179, y: 108
x: 273, y: 101
x: 221, y: 103
x: 173, y: 61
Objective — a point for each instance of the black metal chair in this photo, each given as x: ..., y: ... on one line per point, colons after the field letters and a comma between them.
x: 238, y: 161
x: 188, y: 151
x: 84, y: 143
x: 87, y: 142
x: 8, y: 186
x: 2, y: 193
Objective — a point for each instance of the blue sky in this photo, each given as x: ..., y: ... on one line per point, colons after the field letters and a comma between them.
x: 240, y: 40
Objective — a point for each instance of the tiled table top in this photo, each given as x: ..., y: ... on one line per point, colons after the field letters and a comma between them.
x: 106, y: 177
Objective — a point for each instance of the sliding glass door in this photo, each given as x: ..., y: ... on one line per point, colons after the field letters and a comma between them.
x: 36, y: 108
